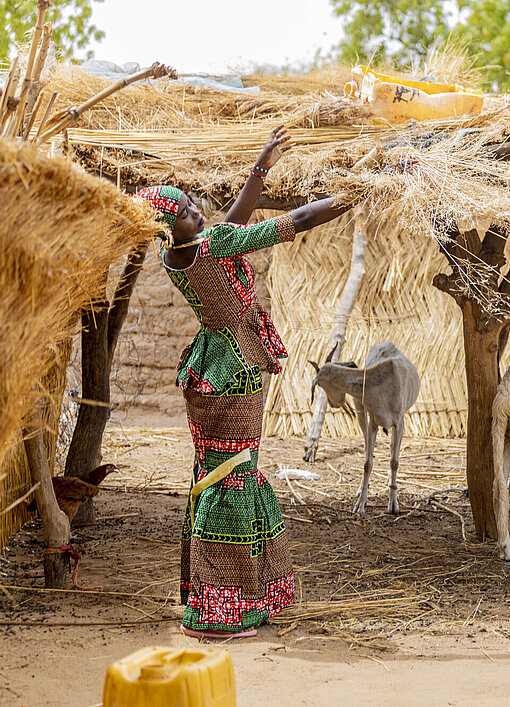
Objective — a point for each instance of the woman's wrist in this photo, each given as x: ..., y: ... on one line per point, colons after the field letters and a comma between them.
x: 259, y: 172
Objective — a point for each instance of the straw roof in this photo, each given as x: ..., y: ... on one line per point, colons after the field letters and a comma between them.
x: 429, y: 175
x: 187, y: 131
x: 60, y: 230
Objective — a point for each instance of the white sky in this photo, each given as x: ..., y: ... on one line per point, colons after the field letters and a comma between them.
x: 211, y: 36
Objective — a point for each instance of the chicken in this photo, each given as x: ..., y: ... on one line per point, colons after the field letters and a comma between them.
x: 72, y: 491
x: 97, y: 475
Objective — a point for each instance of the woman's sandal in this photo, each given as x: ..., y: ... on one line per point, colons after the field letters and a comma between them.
x: 217, y: 634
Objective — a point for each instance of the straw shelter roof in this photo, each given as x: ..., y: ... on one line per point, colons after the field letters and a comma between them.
x: 60, y: 230
x: 205, y: 140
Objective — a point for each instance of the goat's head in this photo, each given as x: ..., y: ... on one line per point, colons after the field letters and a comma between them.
x: 325, y: 378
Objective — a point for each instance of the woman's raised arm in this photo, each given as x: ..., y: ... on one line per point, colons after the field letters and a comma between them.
x: 243, y: 207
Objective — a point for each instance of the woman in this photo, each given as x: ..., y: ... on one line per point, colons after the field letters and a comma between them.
x: 235, y: 565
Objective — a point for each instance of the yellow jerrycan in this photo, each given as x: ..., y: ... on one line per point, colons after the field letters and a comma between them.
x: 399, y: 100
x: 165, y: 677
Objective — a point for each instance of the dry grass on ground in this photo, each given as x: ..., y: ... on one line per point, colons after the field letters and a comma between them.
x: 378, y: 587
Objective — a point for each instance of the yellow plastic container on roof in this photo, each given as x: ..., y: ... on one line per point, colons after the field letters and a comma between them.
x: 162, y: 677
x: 398, y: 100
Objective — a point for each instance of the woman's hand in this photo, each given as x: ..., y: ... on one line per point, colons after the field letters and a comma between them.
x: 274, y: 148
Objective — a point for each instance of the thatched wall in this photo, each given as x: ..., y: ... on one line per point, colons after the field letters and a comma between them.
x: 397, y: 302
x: 59, y: 232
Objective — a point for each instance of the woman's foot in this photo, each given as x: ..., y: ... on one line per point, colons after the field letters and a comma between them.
x: 217, y: 634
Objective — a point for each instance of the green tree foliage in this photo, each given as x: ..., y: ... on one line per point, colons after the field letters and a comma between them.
x: 405, y: 30
x: 399, y: 29
x: 485, y: 29
x: 71, y: 20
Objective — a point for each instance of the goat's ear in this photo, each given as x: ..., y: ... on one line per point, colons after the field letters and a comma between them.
x: 314, y: 383
x: 315, y: 365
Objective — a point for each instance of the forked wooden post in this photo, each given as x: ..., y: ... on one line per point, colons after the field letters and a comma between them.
x: 56, y: 527
x: 337, y: 338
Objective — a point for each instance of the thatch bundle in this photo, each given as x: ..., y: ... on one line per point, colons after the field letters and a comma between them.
x: 205, y: 141
x: 59, y: 232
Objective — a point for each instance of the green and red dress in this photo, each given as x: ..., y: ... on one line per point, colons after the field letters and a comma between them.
x: 235, y: 564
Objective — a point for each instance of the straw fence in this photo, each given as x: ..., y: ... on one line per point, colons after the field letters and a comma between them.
x: 59, y: 232
x: 397, y: 302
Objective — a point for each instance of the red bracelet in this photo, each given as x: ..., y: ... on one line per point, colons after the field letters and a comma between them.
x: 257, y: 175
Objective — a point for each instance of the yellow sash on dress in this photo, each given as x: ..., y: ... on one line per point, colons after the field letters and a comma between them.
x: 214, y: 476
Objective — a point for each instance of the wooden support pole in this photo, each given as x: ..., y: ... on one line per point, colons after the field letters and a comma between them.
x: 123, y: 292
x: 56, y: 527
x: 337, y: 338
x: 43, y: 52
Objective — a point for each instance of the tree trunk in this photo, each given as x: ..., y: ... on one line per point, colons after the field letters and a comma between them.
x: 120, y: 303
x: 85, y: 449
x: 482, y: 377
x: 336, y: 341
x: 54, y: 521
x: 484, y: 334
x: 101, y: 327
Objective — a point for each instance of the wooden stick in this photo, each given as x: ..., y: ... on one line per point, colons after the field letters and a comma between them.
x: 455, y: 513
x: 46, y: 115
x: 20, y: 500
x: 293, y: 492
x: 43, y: 52
x: 8, y: 90
x: 33, y: 114
x: 130, y: 595
x: 95, y: 403
x: 90, y: 623
x: 11, y: 101
x: 56, y: 525
x: 302, y: 520
x: 35, y: 90
x: 73, y: 114
x: 42, y: 7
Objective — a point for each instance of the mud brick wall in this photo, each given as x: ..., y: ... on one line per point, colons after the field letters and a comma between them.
x: 159, y: 325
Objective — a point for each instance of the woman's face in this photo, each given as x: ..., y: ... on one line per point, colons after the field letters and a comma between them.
x: 189, y: 221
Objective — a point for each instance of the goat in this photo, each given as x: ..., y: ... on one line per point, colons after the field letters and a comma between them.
x: 501, y: 455
x: 383, y: 392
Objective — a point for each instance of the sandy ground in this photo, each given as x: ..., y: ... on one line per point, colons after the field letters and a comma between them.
x: 390, y: 610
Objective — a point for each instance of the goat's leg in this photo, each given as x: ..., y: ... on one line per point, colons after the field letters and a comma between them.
x: 370, y: 437
x: 396, y: 441
x: 501, y: 453
x: 501, y: 501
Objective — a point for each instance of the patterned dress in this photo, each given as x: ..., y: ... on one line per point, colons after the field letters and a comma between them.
x: 235, y: 564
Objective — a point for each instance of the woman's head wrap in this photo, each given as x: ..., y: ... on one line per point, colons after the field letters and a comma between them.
x: 165, y: 200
